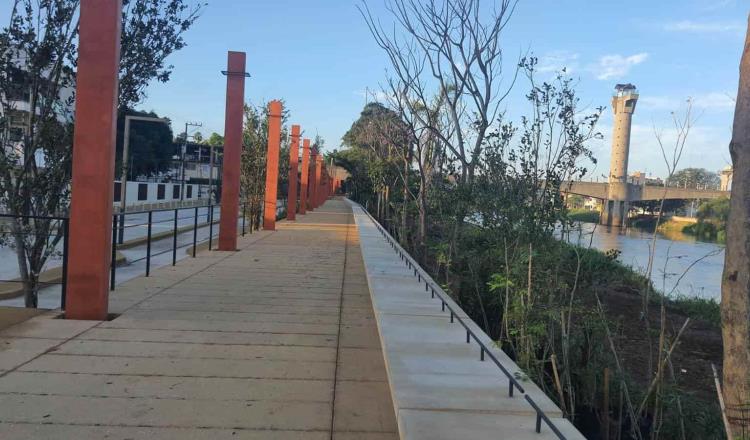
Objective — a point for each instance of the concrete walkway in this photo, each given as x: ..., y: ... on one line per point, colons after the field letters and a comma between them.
x: 276, y: 341
x: 441, y: 387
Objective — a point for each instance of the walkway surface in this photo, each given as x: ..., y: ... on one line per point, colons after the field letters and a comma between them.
x: 276, y: 341
x: 444, y: 386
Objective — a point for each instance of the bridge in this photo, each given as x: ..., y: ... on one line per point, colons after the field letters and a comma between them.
x: 636, y: 192
x: 619, y: 192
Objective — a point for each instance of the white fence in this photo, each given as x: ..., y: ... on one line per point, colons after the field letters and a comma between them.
x: 150, y: 193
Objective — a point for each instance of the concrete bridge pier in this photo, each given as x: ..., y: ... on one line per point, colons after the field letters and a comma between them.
x: 615, y: 209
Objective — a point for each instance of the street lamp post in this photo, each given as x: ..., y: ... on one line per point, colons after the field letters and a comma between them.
x: 125, y: 158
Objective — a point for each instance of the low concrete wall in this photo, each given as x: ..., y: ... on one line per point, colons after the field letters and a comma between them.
x: 440, y: 387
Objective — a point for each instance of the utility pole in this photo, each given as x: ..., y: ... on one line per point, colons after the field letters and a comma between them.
x: 182, y: 159
x: 125, y: 164
x: 210, y: 174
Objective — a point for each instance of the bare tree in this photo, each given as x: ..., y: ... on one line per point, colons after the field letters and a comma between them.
x: 735, y: 285
x: 449, y: 49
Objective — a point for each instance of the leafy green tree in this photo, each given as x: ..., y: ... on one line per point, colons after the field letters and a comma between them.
x: 696, y: 178
x: 215, y: 140
x: 151, y: 31
x: 38, y: 53
x: 151, y: 147
x: 254, y: 149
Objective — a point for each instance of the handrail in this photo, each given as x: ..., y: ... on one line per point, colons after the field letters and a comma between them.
x: 436, y: 290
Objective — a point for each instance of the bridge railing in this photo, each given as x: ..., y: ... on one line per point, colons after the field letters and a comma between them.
x: 436, y: 292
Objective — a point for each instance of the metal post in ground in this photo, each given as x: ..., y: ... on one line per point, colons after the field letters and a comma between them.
x: 64, y: 292
x: 230, y: 183
x: 195, y: 231
x: 97, y: 67
x: 148, y: 245
x: 244, y: 216
x: 174, y: 239
x: 210, y: 226
x: 114, y: 254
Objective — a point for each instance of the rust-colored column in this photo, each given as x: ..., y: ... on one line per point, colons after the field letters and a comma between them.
x: 291, y: 204
x: 272, y: 165
x: 230, y: 183
x: 318, y: 179
x: 304, y: 177
x: 90, y: 236
x: 313, y: 187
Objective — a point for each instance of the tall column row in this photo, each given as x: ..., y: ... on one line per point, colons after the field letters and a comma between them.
x: 91, y: 210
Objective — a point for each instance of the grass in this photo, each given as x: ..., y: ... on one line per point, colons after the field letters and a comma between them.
x: 698, y: 308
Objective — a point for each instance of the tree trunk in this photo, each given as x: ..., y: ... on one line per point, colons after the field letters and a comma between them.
x: 735, y: 285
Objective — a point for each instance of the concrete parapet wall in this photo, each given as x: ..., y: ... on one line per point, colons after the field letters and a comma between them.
x: 440, y: 387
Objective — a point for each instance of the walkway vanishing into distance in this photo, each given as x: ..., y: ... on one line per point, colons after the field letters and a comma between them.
x: 276, y: 341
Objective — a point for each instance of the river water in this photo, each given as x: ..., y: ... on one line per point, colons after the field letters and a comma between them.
x: 682, y: 264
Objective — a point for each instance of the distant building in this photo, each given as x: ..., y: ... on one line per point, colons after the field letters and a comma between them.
x: 197, y: 162
x: 725, y: 177
x: 640, y: 178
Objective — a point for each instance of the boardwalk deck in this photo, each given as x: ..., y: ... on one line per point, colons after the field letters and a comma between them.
x: 276, y: 341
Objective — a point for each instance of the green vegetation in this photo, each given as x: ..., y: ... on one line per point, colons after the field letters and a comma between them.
x: 474, y: 197
x: 698, y: 308
x: 583, y: 215
x: 38, y: 55
x: 712, y: 220
x: 697, y: 178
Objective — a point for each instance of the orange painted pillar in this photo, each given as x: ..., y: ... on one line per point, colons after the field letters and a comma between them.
x: 291, y: 204
x: 272, y: 165
x: 90, y: 236
x: 305, y: 175
x: 230, y: 184
x: 313, y: 183
x: 318, y: 179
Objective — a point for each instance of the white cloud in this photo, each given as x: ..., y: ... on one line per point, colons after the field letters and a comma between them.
x: 712, y: 27
x: 707, y: 147
x: 557, y: 60
x: 616, y: 66
x: 705, y: 101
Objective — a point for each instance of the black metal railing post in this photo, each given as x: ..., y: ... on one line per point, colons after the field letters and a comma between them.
x: 244, y: 207
x: 121, y: 229
x: 114, y: 254
x: 174, y: 238
x: 64, y: 288
x: 148, y: 244
x: 195, y: 231
x: 210, y: 226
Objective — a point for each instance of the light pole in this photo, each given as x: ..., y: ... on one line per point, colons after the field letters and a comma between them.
x: 125, y: 158
x: 182, y: 160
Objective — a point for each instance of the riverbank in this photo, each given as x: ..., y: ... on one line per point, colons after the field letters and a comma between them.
x: 620, y: 290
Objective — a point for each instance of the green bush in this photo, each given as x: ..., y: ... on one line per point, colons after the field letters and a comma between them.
x: 583, y: 215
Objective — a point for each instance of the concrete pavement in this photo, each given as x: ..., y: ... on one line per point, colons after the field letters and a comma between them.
x: 276, y: 341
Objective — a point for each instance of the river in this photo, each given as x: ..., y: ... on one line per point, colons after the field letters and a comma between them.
x: 682, y: 264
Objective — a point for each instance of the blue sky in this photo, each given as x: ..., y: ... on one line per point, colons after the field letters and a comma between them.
x: 319, y: 56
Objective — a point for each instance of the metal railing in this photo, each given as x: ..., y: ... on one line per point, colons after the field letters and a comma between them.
x: 128, y: 235
x: 484, y: 352
x: 14, y: 231
x: 172, y: 218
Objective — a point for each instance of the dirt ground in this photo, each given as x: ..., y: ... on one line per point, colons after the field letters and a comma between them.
x: 699, y: 345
